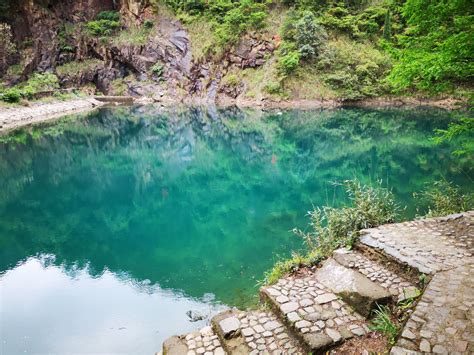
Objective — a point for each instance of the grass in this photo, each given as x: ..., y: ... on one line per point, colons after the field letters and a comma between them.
x: 444, y: 198
x: 384, y: 324
x: 201, y: 38
x: 133, y: 35
x: 306, y: 84
x: 332, y: 228
x: 76, y: 67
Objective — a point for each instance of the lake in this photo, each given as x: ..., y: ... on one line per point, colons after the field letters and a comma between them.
x: 116, y: 223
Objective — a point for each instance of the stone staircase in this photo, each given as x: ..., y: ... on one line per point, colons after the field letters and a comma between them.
x: 312, y: 312
x: 318, y: 310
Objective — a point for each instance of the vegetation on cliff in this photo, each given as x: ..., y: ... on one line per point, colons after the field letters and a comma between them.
x: 319, y: 49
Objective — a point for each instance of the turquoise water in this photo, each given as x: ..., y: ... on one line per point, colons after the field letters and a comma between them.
x: 114, y: 224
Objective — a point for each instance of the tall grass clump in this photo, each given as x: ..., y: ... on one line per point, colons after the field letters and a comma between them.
x: 444, y: 198
x: 332, y: 228
x: 383, y: 323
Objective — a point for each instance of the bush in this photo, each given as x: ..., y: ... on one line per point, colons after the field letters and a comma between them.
x: 108, y: 15
x: 462, y: 132
x: 40, y: 82
x: 102, y: 27
x: 148, y: 24
x: 309, y: 36
x: 288, y: 63
x: 12, y: 95
x: 273, y: 88
x: 354, y: 69
x: 333, y: 228
x: 157, y: 69
x: 445, y: 198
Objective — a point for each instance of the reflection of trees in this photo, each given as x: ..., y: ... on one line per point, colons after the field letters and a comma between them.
x: 193, y: 197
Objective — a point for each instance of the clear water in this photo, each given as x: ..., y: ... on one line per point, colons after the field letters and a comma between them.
x: 114, y: 224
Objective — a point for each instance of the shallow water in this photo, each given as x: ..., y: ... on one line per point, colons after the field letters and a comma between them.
x: 114, y: 224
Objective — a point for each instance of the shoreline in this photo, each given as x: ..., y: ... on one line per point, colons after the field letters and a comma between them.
x: 15, y: 117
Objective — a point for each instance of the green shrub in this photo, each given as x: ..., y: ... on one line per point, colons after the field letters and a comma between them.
x: 148, y: 24
x: 157, y: 69
x: 108, y: 15
x: 102, y: 28
x: 435, y: 51
x: 232, y: 80
x: 444, y: 198
x: 41, y: 82
x: 462, y: 132
x: 273, y: 88
x: 354, y: 69
x: 332, y: 228
x: 310, y: 37
x: 12, y: 95
x: 288, y: 63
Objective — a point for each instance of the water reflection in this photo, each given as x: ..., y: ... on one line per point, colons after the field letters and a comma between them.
x: 46, y: 309
x: 135, y: 201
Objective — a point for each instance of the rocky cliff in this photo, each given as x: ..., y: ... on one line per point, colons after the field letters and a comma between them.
x: 50, y: 36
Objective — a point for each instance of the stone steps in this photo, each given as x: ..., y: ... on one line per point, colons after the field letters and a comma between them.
x: 254, y: 332
x: 316, y: 315
x: 397, y: 285
x: 204, y: 341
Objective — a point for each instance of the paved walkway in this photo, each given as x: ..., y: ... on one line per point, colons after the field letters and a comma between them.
x: 443, y: 321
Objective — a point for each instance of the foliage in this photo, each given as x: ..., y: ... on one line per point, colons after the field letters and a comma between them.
x: 105, y: 24
x: 444, y: 198
x: 436, y: 49
x: 244, y: 15
x: 288, y: 63
x: 108, y: 15
x: 12, y: 95
x: 157, y: 69
x: 462, y: 132
x: 36, y: 83
x: 273, y: 88
x: 148, y: 24
x: 307, y: 35
x: 333, y: 228
x: 78, y: 67
x: 383, y: 323
x: 354, y: 69
x: 230, y: 19
x: 232, y: 80
x: 357, y: 24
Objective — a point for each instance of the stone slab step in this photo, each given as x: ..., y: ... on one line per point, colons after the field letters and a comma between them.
x: 254, y: 332
x: 398, y: 286
x: 315, y: 314
x: 352, y: 286
x: 204, y: 341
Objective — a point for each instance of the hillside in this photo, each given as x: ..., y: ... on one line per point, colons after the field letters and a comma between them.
x: 243, y: 51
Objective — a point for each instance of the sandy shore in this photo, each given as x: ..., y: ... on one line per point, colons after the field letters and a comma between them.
x: 17, y: 116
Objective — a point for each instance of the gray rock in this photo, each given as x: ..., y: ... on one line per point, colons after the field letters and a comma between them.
x: 354, y: 288
x: 289, y: 307
x: 229, y: 326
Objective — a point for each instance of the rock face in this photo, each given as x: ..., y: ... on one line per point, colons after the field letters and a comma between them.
x: 167, y: 45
